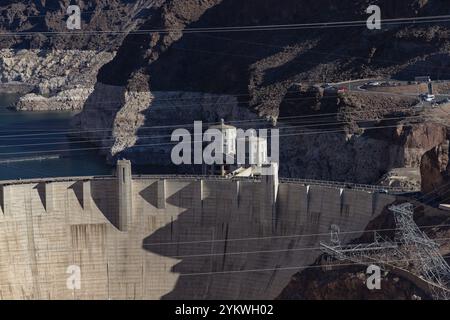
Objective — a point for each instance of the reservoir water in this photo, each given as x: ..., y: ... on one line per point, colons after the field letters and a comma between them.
x: 35, y: 144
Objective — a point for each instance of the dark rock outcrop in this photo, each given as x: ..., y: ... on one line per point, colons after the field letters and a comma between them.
x: 435, y: 170
x: 260, y: 68
x: 43, y: 23
x: 262, y: 65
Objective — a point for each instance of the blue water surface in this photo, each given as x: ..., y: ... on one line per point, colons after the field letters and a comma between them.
x: 27, y: 137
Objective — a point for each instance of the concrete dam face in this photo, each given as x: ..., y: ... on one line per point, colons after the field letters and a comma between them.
x: 148, y: 237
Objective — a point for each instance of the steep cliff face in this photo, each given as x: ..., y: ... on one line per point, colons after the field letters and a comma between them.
x: 126, y: 77
x: 355, y: 137
x: 363, y: 157
x: 142, y: 122
x: 139, y: 50
x: 264, y: 64
x: 49, y: 18
x: 260, y: 64
x: 40, y: 53
x: 260, y: 68
x: 435, y: 170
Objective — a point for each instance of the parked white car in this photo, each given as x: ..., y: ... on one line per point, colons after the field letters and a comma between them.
x: 428, y: 97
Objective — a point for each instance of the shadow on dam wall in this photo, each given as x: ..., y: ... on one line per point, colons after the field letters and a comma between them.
x: 168, y: 237
x: 232, y: 241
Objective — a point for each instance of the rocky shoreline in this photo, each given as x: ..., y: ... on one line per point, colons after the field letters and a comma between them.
x: 50, y: 79
x: 65, y: 100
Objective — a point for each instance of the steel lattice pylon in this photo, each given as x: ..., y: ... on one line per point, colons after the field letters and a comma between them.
x: 423, y: 251
x: 412, y: 250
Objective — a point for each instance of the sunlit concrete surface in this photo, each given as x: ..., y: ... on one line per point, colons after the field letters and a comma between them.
x: 149, y: 237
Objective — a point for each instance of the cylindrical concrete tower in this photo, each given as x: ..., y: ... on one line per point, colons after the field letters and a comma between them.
x: 125, y: 181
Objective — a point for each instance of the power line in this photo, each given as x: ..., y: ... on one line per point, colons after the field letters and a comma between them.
x: 283, y: 237
x: 295, y: 235
x: 285, y: 268
x: 216, y: 97
x: 343, y: 112
x: 272, y: 27
x: 140, y: 250
x: 23, y: 228
x: 326, y: 53
x: 281, y: 100
x: 175, y: 143
x: 304, y: 235
x: 138, y: 279
x: 145, y: 137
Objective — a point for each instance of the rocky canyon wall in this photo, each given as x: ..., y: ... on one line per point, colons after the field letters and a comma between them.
x: 435, y: 172
x: 55, y: 79
x: 142, y: 122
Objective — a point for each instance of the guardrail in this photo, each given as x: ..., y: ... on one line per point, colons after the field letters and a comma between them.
x: 344, y: 185
x: 56, y: 179
x: 135, y: 177
x: 331, y: 184
x: 194, y: 177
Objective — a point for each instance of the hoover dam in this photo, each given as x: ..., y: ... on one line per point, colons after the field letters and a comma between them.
x: 169, y: 237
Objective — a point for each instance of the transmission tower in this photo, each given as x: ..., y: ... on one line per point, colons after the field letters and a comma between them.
x: 412, y: 251
x: 422, y: 251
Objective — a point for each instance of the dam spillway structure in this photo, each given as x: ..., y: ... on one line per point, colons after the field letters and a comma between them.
x: 169, y: 237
